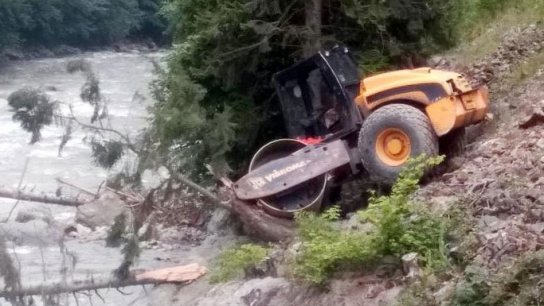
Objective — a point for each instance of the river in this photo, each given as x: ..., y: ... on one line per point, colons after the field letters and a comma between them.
x: 121, y: 76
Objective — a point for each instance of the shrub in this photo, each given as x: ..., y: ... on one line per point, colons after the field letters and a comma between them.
x: 233, y: 263
x: 400, y: 227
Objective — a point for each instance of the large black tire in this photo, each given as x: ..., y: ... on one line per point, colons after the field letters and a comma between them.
x: 409, y: 120
x: 454, y: 144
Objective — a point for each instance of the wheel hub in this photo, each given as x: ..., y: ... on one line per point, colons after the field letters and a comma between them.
x: 393, y: 147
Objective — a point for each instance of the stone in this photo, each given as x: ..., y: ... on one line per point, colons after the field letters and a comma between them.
x: 536, y: 118
x: 43, y: 52
x: 101, y: 212
x: 64, y: 50
x: 488, y: 221
x: 442, y: 204
x: 36, y: 232
x: 489, y: 117
x: 410, y: 265
x: 13, y: 54
x: 444, y: 293
x: 41, y: 212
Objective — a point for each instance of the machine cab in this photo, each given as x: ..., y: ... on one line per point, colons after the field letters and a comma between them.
x: 317, y: 95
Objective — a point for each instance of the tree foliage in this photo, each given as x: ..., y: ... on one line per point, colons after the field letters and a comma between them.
x: 216, y: 100
x: 78, y: 22
x: 33, y: 110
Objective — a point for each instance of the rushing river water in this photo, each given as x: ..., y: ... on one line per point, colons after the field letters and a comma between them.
x: 121, y: 76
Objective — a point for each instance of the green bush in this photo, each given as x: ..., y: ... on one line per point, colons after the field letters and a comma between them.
x: 400, y: 227
x: 233, y: 263
x: 403, y: 226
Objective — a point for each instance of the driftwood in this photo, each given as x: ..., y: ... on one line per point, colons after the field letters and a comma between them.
x: 179, y: 275
x: 42, y: 198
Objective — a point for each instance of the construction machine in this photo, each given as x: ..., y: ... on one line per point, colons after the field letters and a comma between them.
x: 341, y: 127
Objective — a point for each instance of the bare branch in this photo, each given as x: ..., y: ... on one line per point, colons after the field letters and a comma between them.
x: 47, y: 199
x: 180, y: 275
x: 98, y: 294
x: 125, y: 138
x: 18, y: 188
x: 76, y: 187
x: 212, y: 197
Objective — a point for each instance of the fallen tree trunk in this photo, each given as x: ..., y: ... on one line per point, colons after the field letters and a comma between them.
x: 42, y: 198
x: 260, y: 224
x: 179, y: 275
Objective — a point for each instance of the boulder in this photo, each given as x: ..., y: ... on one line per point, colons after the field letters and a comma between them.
x: 42, y: 213
x: 13, y: 54
x: 43, y: 52
x: 101, y: 212
x: 36, y: 232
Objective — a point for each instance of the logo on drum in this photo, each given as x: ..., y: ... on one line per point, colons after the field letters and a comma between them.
x: 257, y: 183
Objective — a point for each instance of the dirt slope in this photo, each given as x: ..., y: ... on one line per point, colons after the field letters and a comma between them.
x: 501, y: 178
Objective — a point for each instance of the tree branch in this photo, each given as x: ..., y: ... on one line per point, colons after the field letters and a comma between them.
x: 125, y: 138
x: 180, y: 275
x: 205, y: 192
x: 42, y: 198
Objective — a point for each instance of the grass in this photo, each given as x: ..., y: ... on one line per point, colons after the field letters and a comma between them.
x: 233, y: 263
x: 527, y: 69
x: 482, y: 23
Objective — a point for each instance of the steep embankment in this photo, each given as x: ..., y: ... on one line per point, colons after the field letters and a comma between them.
x: 499, y: 181
x: 501, y: 178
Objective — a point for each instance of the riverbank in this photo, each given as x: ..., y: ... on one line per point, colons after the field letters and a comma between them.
x: 43, y: 52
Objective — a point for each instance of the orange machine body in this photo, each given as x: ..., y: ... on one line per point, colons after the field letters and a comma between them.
x: 448, y: 99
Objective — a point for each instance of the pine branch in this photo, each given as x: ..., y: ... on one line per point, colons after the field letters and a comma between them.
x: 125, y: 138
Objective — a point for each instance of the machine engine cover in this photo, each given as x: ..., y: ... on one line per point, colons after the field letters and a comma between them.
x: 285, y: 173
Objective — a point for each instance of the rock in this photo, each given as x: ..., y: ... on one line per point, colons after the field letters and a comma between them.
x: 36, y: 232
x: 444, y: 293
x: 488, y: 221
x: 148, y: 232
x: 43, y: 52
x: 64, y: 50
x: 41, y: 212
x: 219, y: 222
x: 51, y: 88
x: 101, y: 212
x: 13, y: 54
x: 410, y: 265
x: 442, y: 204
x: 122, y: 48
x: 537, y: 228
x: 536, y: 118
